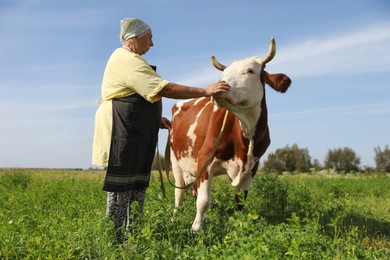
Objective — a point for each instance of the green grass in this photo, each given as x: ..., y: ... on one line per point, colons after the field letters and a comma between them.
x: 60, y: 214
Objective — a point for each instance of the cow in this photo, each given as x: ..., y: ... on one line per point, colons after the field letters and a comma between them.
x: 196, y: 124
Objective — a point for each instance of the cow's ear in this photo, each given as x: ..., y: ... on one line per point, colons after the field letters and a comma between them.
x: 280, y: 82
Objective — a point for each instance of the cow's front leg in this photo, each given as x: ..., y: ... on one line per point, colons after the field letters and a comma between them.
x: 239, y: 202
x: 178, y: 174
x: 202, y: 204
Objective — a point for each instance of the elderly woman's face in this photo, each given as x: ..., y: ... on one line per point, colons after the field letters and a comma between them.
x: 141, y: 44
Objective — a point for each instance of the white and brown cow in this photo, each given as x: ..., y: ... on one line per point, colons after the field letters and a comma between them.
x: 196, y: 124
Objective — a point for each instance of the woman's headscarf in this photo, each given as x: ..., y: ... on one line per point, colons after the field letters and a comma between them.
x: 132, y: 27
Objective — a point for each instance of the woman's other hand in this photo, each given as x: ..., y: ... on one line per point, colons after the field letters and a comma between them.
x: 165, y: 123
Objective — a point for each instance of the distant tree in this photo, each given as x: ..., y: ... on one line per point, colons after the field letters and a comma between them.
x: 368, y: 169
x: 342, y: 160
x: 382, y: 159
x: 316, y: 165
x: 288, y: 159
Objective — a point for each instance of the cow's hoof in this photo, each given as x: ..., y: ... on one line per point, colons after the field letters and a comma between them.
x: 197, y: 226
x: 175, y: 215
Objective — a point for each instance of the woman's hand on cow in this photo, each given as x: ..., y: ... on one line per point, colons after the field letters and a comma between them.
x: 218, y: 87
x: 165, y: 123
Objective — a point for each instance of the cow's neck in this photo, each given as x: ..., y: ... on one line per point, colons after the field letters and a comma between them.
x: 248, y: 120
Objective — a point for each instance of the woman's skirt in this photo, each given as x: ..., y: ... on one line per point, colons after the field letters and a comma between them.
x: 133, y: 143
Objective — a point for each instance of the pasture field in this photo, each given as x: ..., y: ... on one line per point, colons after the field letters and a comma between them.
x: 60, y: 214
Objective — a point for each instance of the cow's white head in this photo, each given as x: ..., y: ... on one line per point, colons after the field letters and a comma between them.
x: 246, y: 79
x: 246, y: 90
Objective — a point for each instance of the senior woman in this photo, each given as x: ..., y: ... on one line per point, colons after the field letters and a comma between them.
x: 128, y: 120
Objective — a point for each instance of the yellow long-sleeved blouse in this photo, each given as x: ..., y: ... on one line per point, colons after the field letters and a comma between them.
x: 126, y: 73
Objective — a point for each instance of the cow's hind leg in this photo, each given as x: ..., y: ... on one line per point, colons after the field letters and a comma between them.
x: 202, y: 204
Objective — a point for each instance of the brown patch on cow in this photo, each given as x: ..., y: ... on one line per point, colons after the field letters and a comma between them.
x: 183, y: 120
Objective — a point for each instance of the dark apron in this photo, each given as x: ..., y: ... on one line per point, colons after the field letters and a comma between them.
x: 135, y: 129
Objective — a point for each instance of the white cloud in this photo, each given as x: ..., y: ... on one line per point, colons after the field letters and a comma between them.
x: 334, y: 112
x: 361, y: 51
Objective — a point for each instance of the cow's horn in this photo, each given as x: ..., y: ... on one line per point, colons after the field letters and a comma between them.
x: 271, y: 52
x: 217, y: 65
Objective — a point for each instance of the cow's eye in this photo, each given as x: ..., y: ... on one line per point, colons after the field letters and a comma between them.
x: 250, y: 71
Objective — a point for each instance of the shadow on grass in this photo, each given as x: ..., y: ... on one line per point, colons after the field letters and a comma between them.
x: 370, y: 226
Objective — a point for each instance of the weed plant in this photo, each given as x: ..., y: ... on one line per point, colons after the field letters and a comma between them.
x: 60, y: 214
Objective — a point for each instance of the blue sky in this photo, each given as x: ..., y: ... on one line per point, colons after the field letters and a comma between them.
x: 53, y: 54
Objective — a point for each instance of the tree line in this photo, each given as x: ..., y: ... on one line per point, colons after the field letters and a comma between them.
x: 296, y: 159
x: 342, y: 160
